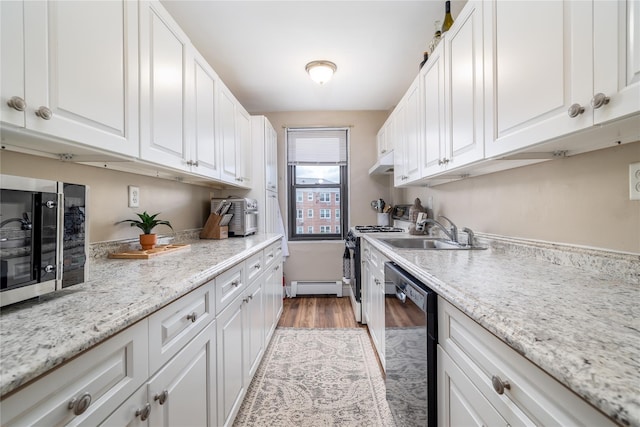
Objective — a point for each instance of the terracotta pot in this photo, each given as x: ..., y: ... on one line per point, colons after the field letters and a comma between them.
x: 148, y: 241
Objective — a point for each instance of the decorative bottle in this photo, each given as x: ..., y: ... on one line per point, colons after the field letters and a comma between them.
x: 448, y: 19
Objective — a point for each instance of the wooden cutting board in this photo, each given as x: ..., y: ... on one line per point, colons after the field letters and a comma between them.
x: 149, y: 253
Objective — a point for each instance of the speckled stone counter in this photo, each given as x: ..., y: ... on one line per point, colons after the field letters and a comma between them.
x: 38, y: 336
x: 574, y: 312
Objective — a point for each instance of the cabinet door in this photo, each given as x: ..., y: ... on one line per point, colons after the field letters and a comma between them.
x: 460, y: 403
x: 231, y: 382
x: 227, y: 135
x: 254, y: 321
x: 203, y: 153
x: 134, y: 412
x: 464, y: 82
x: 243, y: 147
x: 163, y: 80
x: 616, y: 59
x: 183, y: 392
x: 413, y: 135
x: 381, y: 141
x: 271, y: 213
x: 432, y: 154
x: 541, y: 55
x: 81, y: 63
x: 12, y: 63
x: 271, y: 153
x: 399, y: 166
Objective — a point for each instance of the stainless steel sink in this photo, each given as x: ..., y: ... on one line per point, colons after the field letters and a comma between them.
x: 427, y: 243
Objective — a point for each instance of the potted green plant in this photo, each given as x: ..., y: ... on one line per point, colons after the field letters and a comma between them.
x: 147, y: 223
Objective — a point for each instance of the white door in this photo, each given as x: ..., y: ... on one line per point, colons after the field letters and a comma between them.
x: 542, y: 63
x: 81, y: 71
x: 227, y: 135
x: 432, y: 154
x: 230, y: 335
x: 163, y: 80
x: 182, y: 393
x: 464, y: 83
x: 243, y: 147
x: 12, y: 64
x: 412, y: 132
x: 203, y: 150
x: 271, y: 151
x: 254, y: 320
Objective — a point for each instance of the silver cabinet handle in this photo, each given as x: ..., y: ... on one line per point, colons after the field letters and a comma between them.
x: 49, y: 269
x: 17, y: 103
x: 499, y: 385
x: 575, y: 110
x: 80, y: 404
x: 192, y: 163
x: 235, y: 283
x: 144, y: 412
x: 599, y: 99
x: 245, y: 300
x: 44, y: 113
x: 162, y: 397
x: 193, y: 316
x: 257, y: 266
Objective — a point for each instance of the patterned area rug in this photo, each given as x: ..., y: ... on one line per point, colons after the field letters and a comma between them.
x: 317, y: 377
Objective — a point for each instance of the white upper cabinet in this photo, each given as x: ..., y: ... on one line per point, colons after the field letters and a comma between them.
x: 163, y: 83
x: 72, y: 68
x: 203, y: 154
x: 407, y: 131
x: 550, y: 61
x: 464, y: 86
x: 243, y: 147
x: 227, y: 134
x: 433, y: 150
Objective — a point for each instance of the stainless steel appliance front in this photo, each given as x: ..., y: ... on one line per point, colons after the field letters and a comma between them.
x: 43, y: 242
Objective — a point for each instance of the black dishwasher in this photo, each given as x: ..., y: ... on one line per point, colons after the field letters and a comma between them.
x: 410, y: 348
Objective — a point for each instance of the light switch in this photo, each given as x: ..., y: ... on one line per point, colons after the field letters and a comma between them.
x: 134, y: 197
x: 634, y: 181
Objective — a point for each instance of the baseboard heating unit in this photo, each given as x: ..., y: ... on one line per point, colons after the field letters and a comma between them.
x: 316, y: 288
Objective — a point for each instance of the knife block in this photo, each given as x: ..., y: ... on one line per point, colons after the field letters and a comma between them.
x: 212, y: 228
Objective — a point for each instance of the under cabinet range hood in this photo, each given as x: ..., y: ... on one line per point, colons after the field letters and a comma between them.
x: 384, y: 165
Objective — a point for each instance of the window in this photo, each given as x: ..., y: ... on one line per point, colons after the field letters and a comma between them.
x: 299, y: 229
x: 298, y: 213
x: 317, y: 165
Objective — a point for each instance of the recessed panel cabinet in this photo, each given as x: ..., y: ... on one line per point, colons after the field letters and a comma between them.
x: 559, y: 67
x: 70, y: 72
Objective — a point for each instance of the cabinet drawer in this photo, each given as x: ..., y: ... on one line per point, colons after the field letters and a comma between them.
x: 272, y: 253
x: 532, y: 398
x: 172, y: 327
x: 101, y: 378
x: 255, y: 265
x: 228, y: 285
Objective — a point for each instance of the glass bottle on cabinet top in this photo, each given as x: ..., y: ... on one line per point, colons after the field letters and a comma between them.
x: 448, y: 19
x: 437, y: 35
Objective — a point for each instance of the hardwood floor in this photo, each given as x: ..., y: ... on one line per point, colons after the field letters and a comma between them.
x: 318, y: 312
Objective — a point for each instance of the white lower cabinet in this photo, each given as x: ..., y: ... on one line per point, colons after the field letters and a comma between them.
x: 482, y: 381
x: 374, y: 295
x: 86, y: 390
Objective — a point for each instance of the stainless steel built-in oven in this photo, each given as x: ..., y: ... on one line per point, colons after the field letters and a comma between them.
x: 43, y: 243
x: 410, y: 349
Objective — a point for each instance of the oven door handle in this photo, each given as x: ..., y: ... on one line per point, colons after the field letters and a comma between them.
x: 401, y: 296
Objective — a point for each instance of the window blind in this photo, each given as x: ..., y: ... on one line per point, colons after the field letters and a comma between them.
x: 317, y: 146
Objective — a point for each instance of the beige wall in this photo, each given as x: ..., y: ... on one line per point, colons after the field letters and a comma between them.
x: 323, y: 260
x: 581, y: 200
x: 185, y: 206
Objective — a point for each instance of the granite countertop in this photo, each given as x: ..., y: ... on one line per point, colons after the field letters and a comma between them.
x: 573, y: 312
x: 38, y: 336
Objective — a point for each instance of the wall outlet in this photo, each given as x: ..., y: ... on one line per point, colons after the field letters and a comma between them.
x: 634, y: 181
x: 134, y: 197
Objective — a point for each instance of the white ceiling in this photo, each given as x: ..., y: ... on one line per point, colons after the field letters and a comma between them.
x: 260, y: 49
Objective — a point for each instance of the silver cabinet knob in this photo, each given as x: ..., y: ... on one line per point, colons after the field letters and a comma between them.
x: 80, y: 404
x: 44, y: 113
x: 499, y: 385
x: 575, y: 110
x: 49, y: 269
x: 599, y: 99
x: 144, y: 412
x: 17, y: 103
x: 161, y: 397
x: 193, y: 316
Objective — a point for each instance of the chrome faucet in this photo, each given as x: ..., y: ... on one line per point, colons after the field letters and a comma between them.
x: 452, y: 235
x: 470, y: 235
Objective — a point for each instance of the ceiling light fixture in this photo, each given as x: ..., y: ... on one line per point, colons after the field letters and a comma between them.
x: 321, y: 71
